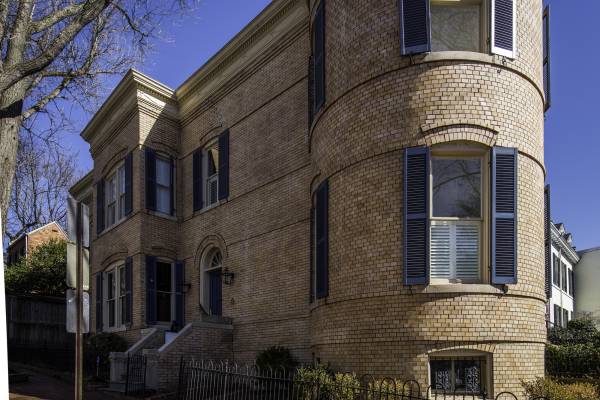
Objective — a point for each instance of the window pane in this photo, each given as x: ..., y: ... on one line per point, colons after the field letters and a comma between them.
x: 467, y: 376
x: 455, y: 25
x: 110, y: 215
x: 121, y: 174
x: 111, y: 313
x: 111, y: 192
x: 111, y: 285
x: 122, y: 206
x: 213, y: 160
x: 440, y: 251
x: 163, y: 199
x: 163, y: 307
x: 163, y: 172
x: 163, y: 277
x: 123, y: 311
x: 467, y: 251
x: 441, y: 374
x: 456, y: 187
x: 122, y: 282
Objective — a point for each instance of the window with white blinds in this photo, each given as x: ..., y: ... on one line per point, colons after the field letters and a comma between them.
x: 455, y: 250
x: 456, y: 219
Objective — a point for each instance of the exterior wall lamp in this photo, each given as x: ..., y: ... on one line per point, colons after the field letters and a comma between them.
x: 227, y: 276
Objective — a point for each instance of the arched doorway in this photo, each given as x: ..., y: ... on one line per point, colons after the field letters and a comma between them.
x: 212, y: 282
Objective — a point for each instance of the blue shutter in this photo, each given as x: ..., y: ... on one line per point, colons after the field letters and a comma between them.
x: 224, y: 165
x: 504, y: 215
x: 414, y: 26
x: 179, y: 295
x: 322, y: 240
x: 129, y: 183
x: 548, y: 242
x: 150, y: 290
x: 318, y: 31
x: 99, y: 321
x: 546, y: 56
x: 128, y: 290
x: 503, y: 27
x: 197, y: 180
x: 416, y: 216
x: 100, y: 206
x: 150, y: 179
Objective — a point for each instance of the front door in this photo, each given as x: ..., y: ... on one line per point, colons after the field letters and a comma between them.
x: 215, y: 292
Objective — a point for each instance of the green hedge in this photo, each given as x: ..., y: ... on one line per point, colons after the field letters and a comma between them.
x: 554, y: 390
x: 577, y: 360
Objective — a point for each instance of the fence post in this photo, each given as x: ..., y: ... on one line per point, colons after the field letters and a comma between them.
x: 127, y: 376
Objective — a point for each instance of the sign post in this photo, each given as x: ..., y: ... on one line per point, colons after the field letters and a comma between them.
x: 78, y: 303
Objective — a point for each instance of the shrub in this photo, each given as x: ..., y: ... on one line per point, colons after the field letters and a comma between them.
x: 312, y: 380
x: 576, y: 360
x: 100, y: 345
x: 578, y: 331
x: 275, y: 358
x: 552, y: 390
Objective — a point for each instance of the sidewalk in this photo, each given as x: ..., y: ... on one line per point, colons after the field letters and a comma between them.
x: 41, y: 386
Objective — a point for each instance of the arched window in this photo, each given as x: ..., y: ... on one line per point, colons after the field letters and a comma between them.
x: 212, y: 286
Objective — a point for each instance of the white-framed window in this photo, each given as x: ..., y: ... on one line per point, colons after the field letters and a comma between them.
x: 165, y: 291
x: 457, y: 214
x: 114, y: 297
x: 212, y: 286
x: 459, y: 374
x: 164, y: 181
x: 211, y: 174
x: 459, y: 25
x: 115, y: 196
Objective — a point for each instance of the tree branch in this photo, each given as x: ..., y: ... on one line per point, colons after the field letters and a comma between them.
x: 55, y: 17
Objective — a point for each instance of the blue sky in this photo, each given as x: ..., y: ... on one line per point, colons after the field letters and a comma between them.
x: 572, y: 134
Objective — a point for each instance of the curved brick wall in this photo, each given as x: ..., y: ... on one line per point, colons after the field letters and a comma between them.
x: 377, y: 103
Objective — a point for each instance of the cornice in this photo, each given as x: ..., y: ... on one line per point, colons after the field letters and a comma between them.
x: 133, y: 86
x: 82, y: 185
x: 266, y: 30
x: 560, y: 242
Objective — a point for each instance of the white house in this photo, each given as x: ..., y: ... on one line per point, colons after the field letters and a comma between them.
x: 561, y: 304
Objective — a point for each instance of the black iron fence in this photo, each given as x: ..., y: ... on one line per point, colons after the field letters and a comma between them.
x: 207, y: 380
x: 135, y: 383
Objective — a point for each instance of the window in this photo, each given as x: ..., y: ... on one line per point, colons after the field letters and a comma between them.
x: 164, y: 291
x: 458, y: 375
x: 212, y: 282
x: 163, y: 184
x: 555, y: 270
x: 456, y: 217
x: 318, y: 59
x: 571, y: 283
x: 557, y: 315
x: 115, y: 196
x: 563, y: 276
x: 565, y: 318
x: 115, y: 297
x: 319, y: 273
x: 212, y: 174
x: 458, y: 25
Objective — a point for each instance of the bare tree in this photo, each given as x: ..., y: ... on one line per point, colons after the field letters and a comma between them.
x: 53, y: 50
x: 43, y: 176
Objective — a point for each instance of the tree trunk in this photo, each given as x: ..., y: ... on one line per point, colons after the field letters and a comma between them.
x: 10, y: 125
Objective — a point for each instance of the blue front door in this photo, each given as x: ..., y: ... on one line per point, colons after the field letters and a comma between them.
x: 215, y: 292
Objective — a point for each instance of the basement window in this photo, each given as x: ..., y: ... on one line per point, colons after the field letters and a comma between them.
x: 458, y: 375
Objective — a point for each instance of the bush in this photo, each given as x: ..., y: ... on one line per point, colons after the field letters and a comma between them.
x: 552, y: 390
x: 307, y: 380
x: 42, y: 273
x: 100, y: 345
x: 576, y: 360
x: 276, y: 358
x: 578, y: 331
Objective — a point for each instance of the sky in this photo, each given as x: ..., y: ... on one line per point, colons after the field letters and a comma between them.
x: 572, y: 133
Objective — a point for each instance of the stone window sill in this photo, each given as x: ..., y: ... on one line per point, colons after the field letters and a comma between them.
x: 462, y: 288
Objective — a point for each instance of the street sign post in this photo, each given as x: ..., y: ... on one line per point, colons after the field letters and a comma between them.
x: 78, y: 279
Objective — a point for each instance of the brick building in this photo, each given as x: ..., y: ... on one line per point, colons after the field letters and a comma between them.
x: 361, y: 182
x: 24, y: 245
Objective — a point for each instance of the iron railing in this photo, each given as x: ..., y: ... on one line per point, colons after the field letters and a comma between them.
x: 208, y: 380
x: 135, y: 382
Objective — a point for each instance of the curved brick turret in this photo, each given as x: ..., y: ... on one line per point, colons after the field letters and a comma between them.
x: 378, y: 103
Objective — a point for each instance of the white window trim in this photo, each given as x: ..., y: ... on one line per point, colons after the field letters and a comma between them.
x: 206, y: 178
x: 173, y: 292
x: 466, y: 151
x: 119, y: 197
x: 117, y: 295
x: 205, y: 270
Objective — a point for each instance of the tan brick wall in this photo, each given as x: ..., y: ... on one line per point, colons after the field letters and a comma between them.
x: 378, y: 103
x: 43, y: 235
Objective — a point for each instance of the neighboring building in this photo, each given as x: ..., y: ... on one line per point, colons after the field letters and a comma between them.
x: 587, y: 281
x: 327, y: 183
x: 24, y: 245
x: 561, y: 304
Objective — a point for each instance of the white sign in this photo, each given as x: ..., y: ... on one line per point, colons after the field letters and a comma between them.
x: 72, y: 312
